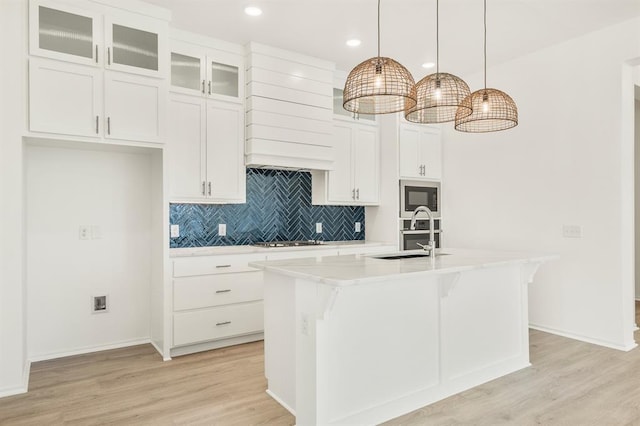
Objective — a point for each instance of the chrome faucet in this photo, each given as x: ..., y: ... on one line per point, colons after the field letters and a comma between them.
x: 431, y: 246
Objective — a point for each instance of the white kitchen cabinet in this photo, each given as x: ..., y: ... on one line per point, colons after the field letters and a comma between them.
x: 211, y: 73
x: 65, y: 98
x: 206, y: 150
x: 420, y: 152
x: 217, y: 301
x: 354, y: 179
x: 85, y: 33
x: 134, y: 107
x: 77, y: 100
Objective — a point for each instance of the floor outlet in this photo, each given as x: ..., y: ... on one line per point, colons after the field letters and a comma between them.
x: 358, y: 227
x: 222, y: 229
x: 175, y: 231
x: 99, y: 304
x: 319, y: 228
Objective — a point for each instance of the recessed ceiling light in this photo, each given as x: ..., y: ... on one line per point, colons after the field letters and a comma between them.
x: 354, y: 42
x: 253, y: 11
x: 428, y: 65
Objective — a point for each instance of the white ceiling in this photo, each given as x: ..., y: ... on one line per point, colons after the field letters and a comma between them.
x: 321, y: 27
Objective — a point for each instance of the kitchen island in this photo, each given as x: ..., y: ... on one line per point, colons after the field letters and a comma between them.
x: 361, y: 340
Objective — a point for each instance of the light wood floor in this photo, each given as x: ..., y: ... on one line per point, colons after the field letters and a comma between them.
x: 570, y: 383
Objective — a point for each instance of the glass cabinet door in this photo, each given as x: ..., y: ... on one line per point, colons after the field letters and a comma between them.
x: 186, y: 73
x: 339, y: 110
x: 134, y: 46
x: 224, y: 79
x: 64, y: 33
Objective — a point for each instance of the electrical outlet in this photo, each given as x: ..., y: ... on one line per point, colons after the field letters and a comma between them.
x: 319, y: 228
x: 84, y: 232
x: 175, y: 231
x: 304, y: 324
x: 222, y: 229
x: 572, y: 231
x: 358, y: 227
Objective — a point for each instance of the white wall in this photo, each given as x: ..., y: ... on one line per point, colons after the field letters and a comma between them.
x: 637, y: 193
x: 564, y: 164
x: 66, y: 188
x: 13, y: 365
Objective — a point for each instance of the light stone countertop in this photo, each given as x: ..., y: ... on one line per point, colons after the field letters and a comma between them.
x: 247, y: 249
x: 356, y: 269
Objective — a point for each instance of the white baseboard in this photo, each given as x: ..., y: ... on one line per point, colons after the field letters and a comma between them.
x: 157, y: 348
x: 279, y: 401
x: 623, y: 347
x: 20, y: 389
x: 89, y: 349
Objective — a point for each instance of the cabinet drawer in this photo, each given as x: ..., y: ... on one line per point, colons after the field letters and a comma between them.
x: 217, y: 323
x: 208, y: 265
x: 214, y: 290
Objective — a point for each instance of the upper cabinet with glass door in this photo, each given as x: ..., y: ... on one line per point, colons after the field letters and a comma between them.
x: 342, y: 114
x: 206, y: 71
x: 91, y: 36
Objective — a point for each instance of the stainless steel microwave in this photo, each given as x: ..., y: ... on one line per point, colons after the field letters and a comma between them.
x: 414, y: 193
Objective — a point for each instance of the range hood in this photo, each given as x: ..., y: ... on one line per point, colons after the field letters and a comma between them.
x: 289, y: 110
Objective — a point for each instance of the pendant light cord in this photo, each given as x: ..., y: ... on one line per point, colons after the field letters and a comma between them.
x: 485, y: 45
x: 379, y: 28
x: 437, y: 37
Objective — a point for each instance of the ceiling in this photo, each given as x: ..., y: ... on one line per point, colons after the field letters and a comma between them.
x: 320, y: 27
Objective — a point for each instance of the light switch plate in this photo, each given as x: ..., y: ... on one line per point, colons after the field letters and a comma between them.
x: 222, y: 229
x: 572, y: 231
x: 96, y: 232
x: 319, y: 228
x: 358, y: 227
x: 175, y: 231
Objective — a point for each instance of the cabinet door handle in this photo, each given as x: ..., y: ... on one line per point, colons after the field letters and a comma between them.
x: 223, y: 291
x: 223, y: 266
x: 203, y: 87
x: 223, y: 323
x: 203, y: 185
x: 97, y: 124
x: 358, y: 194
x: 108, y: 125
x: 209, y: 188
x: 353, y: 194
x: 96, y: 53
x: 209, y: 86
x: 108, y: 56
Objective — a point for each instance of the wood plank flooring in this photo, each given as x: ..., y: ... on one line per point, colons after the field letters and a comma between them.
x: 570, y: 383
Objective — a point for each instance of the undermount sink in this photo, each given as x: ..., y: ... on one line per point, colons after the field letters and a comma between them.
x: 397, y: 256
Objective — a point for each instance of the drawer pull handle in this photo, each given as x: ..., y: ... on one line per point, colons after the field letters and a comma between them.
x: 223, y: 266
x: 223, y: 323
x: 223, y: 291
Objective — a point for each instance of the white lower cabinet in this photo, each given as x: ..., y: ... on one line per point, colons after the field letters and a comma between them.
x: 354, y: 179
x: 78, y: 100
x: 218, y: 299
x: 217, y: 323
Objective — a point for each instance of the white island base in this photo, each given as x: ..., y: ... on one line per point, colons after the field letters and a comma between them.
x: 358, y: 340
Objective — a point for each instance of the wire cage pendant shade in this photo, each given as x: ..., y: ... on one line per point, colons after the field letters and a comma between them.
x: 440, y: 98
x: 493, y: 110
x: 379, y: 85
x: 439, y: 95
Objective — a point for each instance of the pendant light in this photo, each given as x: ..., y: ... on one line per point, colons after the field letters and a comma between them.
x: 379, y: 85
x: 440, y: 95
x: 493, y: 110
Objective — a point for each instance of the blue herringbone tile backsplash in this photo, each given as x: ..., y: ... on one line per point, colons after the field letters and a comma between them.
x: 278, y: 208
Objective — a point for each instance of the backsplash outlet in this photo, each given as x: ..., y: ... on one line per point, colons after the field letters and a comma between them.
x: 278, y: 208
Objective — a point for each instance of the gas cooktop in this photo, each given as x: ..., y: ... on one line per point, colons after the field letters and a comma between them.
x: 289, y: 243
